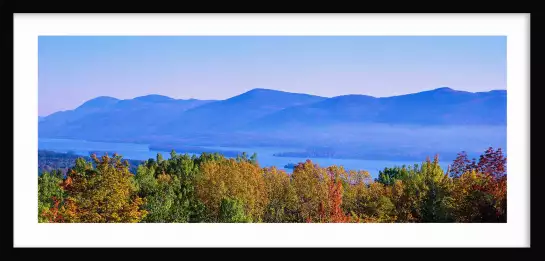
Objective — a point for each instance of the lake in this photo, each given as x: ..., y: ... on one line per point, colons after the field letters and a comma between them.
x: 264, y: 154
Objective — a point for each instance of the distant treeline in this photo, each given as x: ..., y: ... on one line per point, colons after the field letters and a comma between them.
x: 214, y: 188
x: 193, y: 149
x: 50, y: 160
x: 316, y: 152
x: 364, y: 154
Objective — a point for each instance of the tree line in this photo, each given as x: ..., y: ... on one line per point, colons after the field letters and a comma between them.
x: 50, y: 160
x: 216, y: 189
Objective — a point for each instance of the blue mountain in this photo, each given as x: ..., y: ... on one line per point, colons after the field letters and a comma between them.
x: 439, y: 107
x: 235, y: 112
x: 118, y: 119
x: 257, y: 115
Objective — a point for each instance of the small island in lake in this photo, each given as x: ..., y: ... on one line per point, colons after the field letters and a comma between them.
x: 289, y: 166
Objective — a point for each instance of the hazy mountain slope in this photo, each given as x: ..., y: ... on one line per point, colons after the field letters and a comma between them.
x: 232, y: 113
x: 262, y: 116
x: 111, y: 117
x: 443, y: 106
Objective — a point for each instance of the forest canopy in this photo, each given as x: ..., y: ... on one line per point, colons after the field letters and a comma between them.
x: 216, y: 189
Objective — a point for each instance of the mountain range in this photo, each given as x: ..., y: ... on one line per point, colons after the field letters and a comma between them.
x: 439, y: 107
x: 269, y: 115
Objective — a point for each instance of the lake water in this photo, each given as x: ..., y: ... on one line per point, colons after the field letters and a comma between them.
x: 264, y: 154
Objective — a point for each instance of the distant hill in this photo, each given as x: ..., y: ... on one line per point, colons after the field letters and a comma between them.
x: 270, y: 117
x: 107, y: 116
x: 235, y: 112
x: 442, y: 106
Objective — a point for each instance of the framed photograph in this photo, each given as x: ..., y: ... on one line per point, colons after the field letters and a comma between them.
x: 275, y: 130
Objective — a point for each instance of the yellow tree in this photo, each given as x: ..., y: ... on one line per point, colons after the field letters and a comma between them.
x: 354, y: 185
x: 281, y: 196
x: 480, y: 197
x: 101, y: 194
x: 235, y: 180
x: 311, y: 186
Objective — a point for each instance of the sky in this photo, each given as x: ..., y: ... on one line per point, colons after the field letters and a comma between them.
x: 74, y: 69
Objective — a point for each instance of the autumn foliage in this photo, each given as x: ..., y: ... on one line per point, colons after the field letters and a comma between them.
x: 213, y: 188
x: 103, y: 193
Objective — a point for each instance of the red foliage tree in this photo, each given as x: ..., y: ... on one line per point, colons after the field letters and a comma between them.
x: 490, y: 182
x: 492, y: 162
x: 461, y: 165
x: 335, y: 198
x: 331, y: 211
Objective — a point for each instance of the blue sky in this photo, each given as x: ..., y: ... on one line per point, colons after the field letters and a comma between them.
x: 74, y: 69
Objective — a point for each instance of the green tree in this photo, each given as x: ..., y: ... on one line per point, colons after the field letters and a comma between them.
x: 232, y: 211
x: 430, y: 190
x: 253, y: 158
x: 389, y: 175
x: 49, y: 192
x: 168, y: 188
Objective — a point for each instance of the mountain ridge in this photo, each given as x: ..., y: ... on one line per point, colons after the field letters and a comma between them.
x: 264, y: 113
x: 265, y: 90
